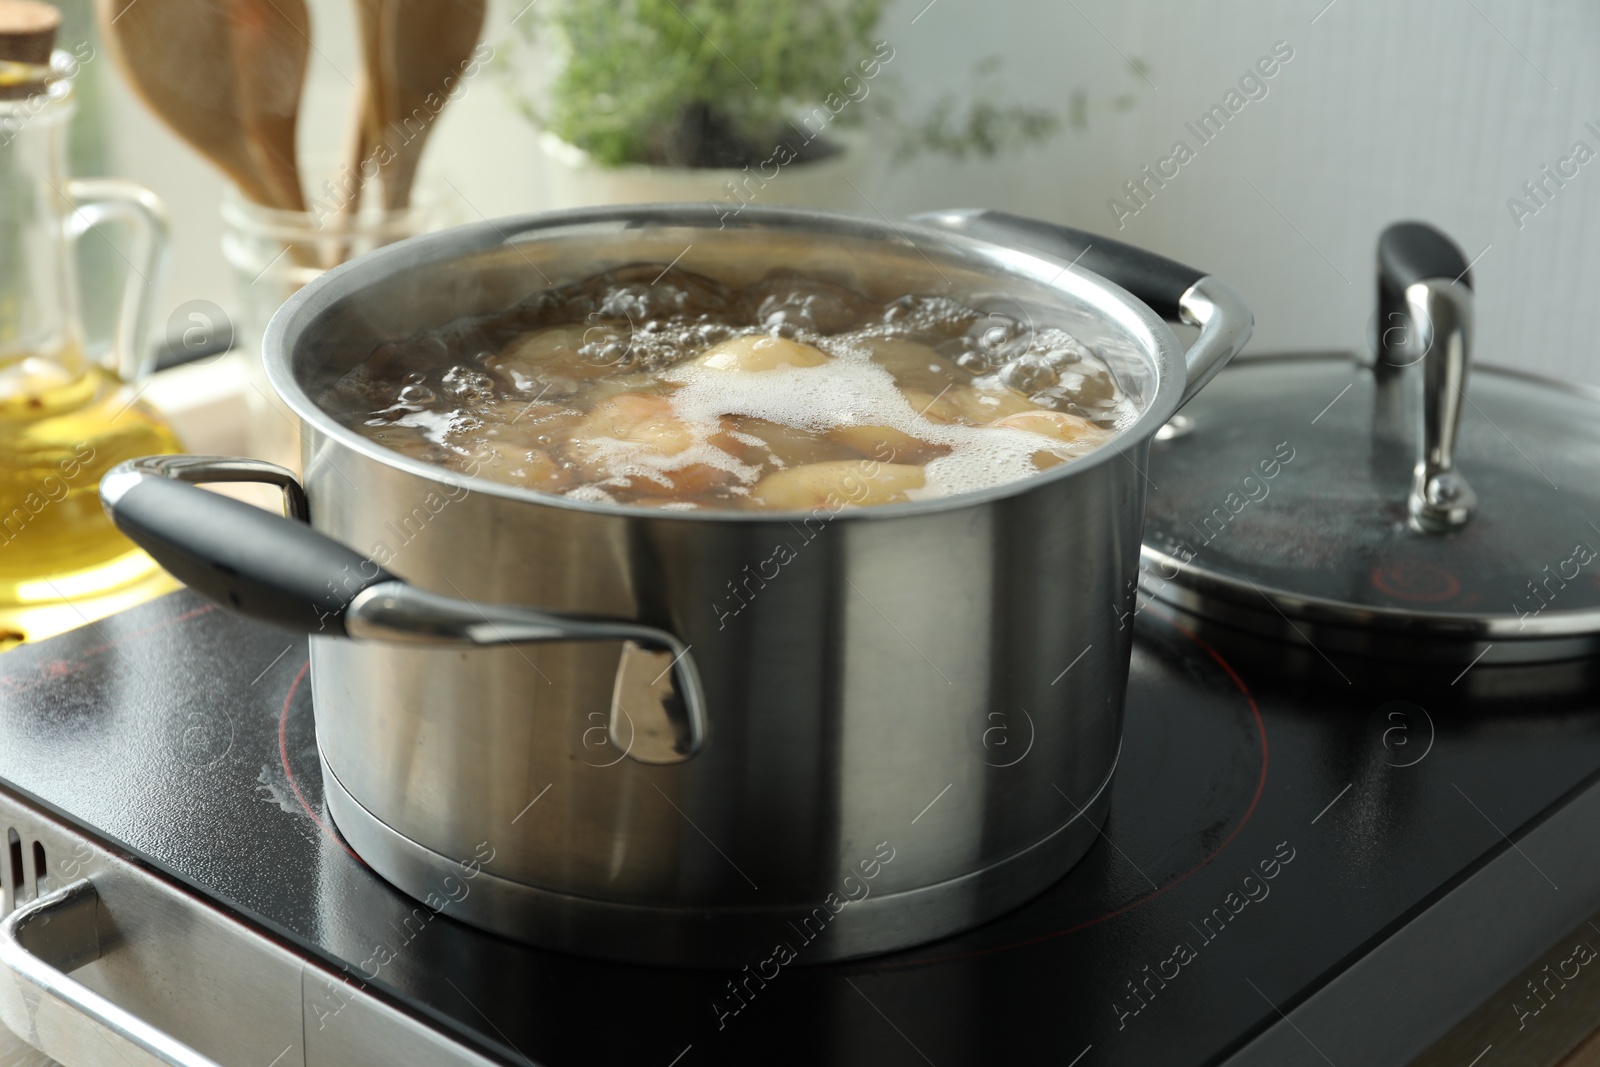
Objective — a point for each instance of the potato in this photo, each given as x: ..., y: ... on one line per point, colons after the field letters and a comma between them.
x: 760, y: 352
x: 649, y: 423
x: 886, y: 443
x: 637, y: 418
x: 1057, y: 424
x: 914, y: 365
x: 838, y: 484
x: 969, y: 404
x: 539, y: 354
x: 518, y: 464
x: 788, y: 445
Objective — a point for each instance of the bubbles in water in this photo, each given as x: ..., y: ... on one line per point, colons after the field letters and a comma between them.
x: 1029, y: 374
x: 468, y: 384
x: 799, y: 302
x: 604, y: 346
x: 921, y: 377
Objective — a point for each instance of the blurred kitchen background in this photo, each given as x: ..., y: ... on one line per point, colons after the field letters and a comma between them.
x: 1439, y: 110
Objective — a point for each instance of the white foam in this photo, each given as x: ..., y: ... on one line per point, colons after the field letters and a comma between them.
x: 592, y: 493
x: 622, y: 460
x: 850, y: 390
x: 840, y: 392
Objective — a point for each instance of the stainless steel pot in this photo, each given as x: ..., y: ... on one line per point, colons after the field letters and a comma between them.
x: 689, y: 752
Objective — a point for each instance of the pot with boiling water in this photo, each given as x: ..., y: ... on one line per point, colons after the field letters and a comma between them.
x: 666, y: 661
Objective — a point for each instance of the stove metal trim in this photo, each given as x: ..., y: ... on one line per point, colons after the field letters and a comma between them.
x: 160, y: 976
x: 714, y: 937
x: 44, y: 939
x: 1410, y: 990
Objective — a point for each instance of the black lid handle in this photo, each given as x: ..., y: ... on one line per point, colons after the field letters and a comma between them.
x: 1425, y: 315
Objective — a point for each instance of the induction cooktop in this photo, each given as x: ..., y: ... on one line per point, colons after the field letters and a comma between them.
x: 1304, y: 862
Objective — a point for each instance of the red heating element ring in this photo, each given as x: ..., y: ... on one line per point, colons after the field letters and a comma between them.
x: 1415, y: 582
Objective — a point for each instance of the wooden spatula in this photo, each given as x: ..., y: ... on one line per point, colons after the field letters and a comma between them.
x: 272, y: 47
x: 224, y: 75
x: 178, y: 57
x: 421, y: 44
x: 368, y: 106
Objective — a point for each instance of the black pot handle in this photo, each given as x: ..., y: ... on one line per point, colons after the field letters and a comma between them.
x: 278, y: 570
x: 269, y: 568
x: 1156, y: 280
x: 1169, y: 288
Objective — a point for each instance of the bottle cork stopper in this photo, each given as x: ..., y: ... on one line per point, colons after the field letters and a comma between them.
x: 27, y: 34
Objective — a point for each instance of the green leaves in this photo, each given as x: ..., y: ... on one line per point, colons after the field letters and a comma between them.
x: 704, y: 83
x: 983, y: 129
x: 632, y: 68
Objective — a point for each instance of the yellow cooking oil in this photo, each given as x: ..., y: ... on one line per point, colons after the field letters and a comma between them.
x: 62, y: 563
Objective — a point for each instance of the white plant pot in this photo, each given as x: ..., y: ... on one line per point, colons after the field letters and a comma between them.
x: 574, y: 179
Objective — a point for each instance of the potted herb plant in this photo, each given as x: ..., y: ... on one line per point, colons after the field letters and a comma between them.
x: 733, y: 102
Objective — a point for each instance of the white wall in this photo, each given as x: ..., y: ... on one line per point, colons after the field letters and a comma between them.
x: 1430, y: 109
x: 1389, y: 110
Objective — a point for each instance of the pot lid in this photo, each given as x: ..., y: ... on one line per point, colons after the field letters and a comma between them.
x: 1375, y: 504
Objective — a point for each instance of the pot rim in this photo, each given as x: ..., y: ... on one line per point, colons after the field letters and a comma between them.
x: 1160, y: 349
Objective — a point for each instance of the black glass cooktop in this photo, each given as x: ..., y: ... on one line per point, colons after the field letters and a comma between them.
x: 1274, y: 844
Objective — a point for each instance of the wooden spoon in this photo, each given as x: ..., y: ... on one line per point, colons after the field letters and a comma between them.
x: 272, y: 48
x: 224, y: 75
x: 366, y: 120
x: 422, y: 45
x: 179, y: 58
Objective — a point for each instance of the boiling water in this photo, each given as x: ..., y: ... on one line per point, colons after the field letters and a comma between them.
x: 665, y: 388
